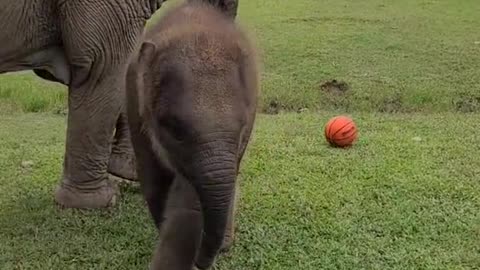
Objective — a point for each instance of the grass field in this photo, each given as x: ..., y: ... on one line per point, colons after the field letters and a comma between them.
x: 396, y: 56
x: 406, y: 196
x: 391, y: 202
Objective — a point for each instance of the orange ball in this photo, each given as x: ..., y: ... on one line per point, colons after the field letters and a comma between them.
x: 341, y: 131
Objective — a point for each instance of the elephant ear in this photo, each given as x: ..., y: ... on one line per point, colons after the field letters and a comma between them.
x: 146, y: 53
x: 137, y: 77
x: 230, y: 7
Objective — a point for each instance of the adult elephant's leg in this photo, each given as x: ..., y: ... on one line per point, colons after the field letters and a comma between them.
x: 122, y: 160
x: 89, y: 132
x: 98, y: 39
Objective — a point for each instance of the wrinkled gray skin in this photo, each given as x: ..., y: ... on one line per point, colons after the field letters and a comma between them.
x: 191, y: 101
x: 83, y: 45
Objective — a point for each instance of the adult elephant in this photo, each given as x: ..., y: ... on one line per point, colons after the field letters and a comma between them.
x: 85, y: 45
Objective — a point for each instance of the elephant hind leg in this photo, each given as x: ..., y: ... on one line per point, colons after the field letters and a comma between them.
x: 122, y: 159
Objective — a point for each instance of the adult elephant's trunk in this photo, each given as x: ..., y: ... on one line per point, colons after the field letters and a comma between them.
x: 214, y: 176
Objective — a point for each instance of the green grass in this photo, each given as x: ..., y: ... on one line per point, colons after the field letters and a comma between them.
x: 25, y: 92
x: 407, y: 56
x: 393, y: 201
x: 406, y: 196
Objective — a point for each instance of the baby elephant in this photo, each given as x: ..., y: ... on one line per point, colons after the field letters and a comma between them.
x: 191, y: 100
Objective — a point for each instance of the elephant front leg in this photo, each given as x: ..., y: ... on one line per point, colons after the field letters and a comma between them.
x: 181, y: 231
x: 122, y: 160
x: 98, y: 37
x: 93, y: 110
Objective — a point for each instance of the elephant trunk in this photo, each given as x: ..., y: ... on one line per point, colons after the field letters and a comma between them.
x: 215, y: 174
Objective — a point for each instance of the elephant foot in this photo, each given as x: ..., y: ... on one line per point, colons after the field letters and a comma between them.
x: 123, y: 166
x: 124, y: 182
x: 70, y: 196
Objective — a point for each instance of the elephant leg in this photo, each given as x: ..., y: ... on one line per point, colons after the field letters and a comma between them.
x: 155, y: 180
x: 90, y: 125
x: 122, y: 160
x: 97, y: 38
x: 181, y: 231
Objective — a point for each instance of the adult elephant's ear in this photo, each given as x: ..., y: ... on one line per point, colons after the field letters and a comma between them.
x: 153, y: 6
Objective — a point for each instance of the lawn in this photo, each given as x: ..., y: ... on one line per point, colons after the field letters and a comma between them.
x: 395, y: 56
x: 406, y: 196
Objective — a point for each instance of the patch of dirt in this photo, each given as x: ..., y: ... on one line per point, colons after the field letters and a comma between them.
x: 302, y: 110
x: 467, y: 103
x: 392, y: 104
x: 335, y: 87
x: 61, y: 111
x: 27, y: 164
x: 273, y: 107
